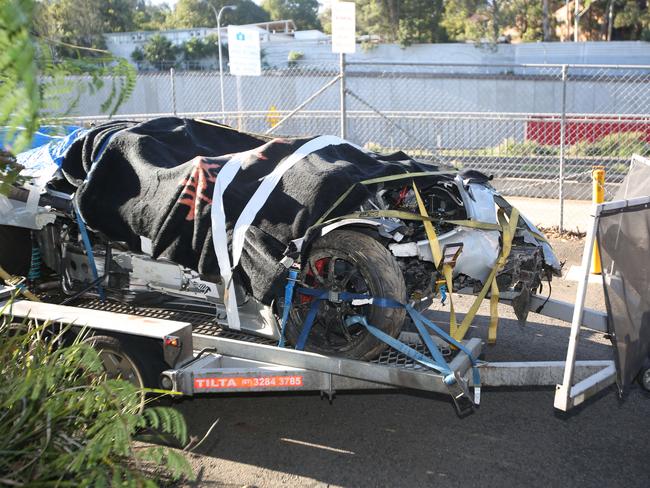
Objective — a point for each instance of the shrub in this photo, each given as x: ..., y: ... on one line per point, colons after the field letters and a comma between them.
x: 510, y: 147
x: 618, y: 144
x: 293, y: 57
x: 137, y: 55
x: 63, y: 423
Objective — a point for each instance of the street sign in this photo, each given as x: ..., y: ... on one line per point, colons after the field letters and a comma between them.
x: 343, y: 27
x: 244, y: 51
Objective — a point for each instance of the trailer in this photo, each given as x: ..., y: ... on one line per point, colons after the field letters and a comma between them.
x: 191, y: 353
x: 194, y: 353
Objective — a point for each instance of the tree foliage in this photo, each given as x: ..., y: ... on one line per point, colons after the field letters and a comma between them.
x: 304, y: 13
x: 149, y: 16
x: 474, y: 20
x: 33, y: 84
x: 526, y: 16
x: 83, y: 22
x: 198, y: 13
x: 419, y: 22
x: 20, y: 94
x: 160, y: 52
x: 403, y: 21
x: 196, y: 49
x: 632, y: 19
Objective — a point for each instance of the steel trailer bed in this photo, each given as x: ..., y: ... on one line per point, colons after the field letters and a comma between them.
x: 204, y: 358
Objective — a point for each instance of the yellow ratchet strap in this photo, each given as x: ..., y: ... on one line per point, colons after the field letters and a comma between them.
x: 215, y: 124
x: 508, y: 229
x: 506, y: 226
x: 381, y: 179
x: 11, y: 280
x: 403, y: 215
x: 447, y: 272
x: 437, y: 256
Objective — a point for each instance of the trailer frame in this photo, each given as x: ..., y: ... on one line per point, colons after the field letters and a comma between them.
x: 212, y: 360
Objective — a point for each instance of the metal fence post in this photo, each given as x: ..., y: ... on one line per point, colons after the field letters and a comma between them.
x: 344, y: 129
x: 239, y: 102
x: 562, y: 144
x: 172, y: 78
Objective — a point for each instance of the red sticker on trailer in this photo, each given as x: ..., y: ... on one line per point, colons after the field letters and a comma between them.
x: 248, y: 382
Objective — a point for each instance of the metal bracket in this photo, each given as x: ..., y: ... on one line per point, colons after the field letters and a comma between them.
x: 333, y: 296
x: 460, y: 394
x: 330, y: 392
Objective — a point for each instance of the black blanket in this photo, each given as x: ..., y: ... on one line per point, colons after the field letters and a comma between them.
x: 156, y: 179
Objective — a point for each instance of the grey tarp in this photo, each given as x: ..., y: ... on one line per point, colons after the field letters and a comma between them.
x: 624, y: 242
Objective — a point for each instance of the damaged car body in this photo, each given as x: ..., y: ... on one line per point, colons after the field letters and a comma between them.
x: 215, y: 225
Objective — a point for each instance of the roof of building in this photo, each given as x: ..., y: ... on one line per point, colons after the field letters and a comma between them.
x: 274, y: 25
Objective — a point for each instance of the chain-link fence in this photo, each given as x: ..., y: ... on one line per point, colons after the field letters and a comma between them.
x: 539, y: 129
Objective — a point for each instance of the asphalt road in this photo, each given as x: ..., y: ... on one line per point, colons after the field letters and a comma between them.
x: 404, y: 439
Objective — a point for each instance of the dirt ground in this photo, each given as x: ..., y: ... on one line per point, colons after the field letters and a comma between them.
x: 514, y: 439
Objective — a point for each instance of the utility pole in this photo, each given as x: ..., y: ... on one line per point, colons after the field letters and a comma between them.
x: 218, y: 16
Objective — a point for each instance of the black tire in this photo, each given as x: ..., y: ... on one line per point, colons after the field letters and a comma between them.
x: 376, y: 273
x: 15, y: 250
x: 141, y: 365
x: 644, y: 378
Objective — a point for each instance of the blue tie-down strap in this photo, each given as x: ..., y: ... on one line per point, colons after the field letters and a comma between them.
x: 435, y: 362
x: 89, y: 253
x: 288, y: 298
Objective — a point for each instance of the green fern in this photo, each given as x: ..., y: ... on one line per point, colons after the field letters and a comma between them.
x: 62, y: 422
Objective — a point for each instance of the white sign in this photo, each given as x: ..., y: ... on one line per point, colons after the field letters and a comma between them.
x: 244, y: 51
x: 343, y: 27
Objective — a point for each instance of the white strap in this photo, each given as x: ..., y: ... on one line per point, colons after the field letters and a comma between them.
x: 247, y: 215
x: 220, y: 238
x: 33, y: 198
x: 268, y: 184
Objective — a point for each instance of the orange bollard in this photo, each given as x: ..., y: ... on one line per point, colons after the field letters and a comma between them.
x: 598, y: 177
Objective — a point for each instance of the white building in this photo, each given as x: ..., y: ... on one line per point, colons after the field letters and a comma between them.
x: 124, y: 43
x: 280, y: 40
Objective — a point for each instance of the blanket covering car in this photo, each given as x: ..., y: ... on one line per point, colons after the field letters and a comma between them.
x: 156, y: 180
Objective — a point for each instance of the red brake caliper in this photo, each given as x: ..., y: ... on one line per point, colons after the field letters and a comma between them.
x: 310, y: 280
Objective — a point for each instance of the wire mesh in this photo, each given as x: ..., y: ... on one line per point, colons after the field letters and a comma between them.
x: 527, y: 125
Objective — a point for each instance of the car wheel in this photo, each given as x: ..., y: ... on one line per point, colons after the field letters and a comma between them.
x: 644, y: 378
x: 345, y: 260
x: 137, y: 364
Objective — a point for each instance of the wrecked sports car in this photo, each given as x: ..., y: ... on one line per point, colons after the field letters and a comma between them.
x: 184, y: 213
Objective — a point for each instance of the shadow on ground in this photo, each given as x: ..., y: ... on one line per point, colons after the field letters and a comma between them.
x: 415, y: 439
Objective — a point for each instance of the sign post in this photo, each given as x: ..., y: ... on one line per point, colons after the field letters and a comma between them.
x: 343, y: 42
